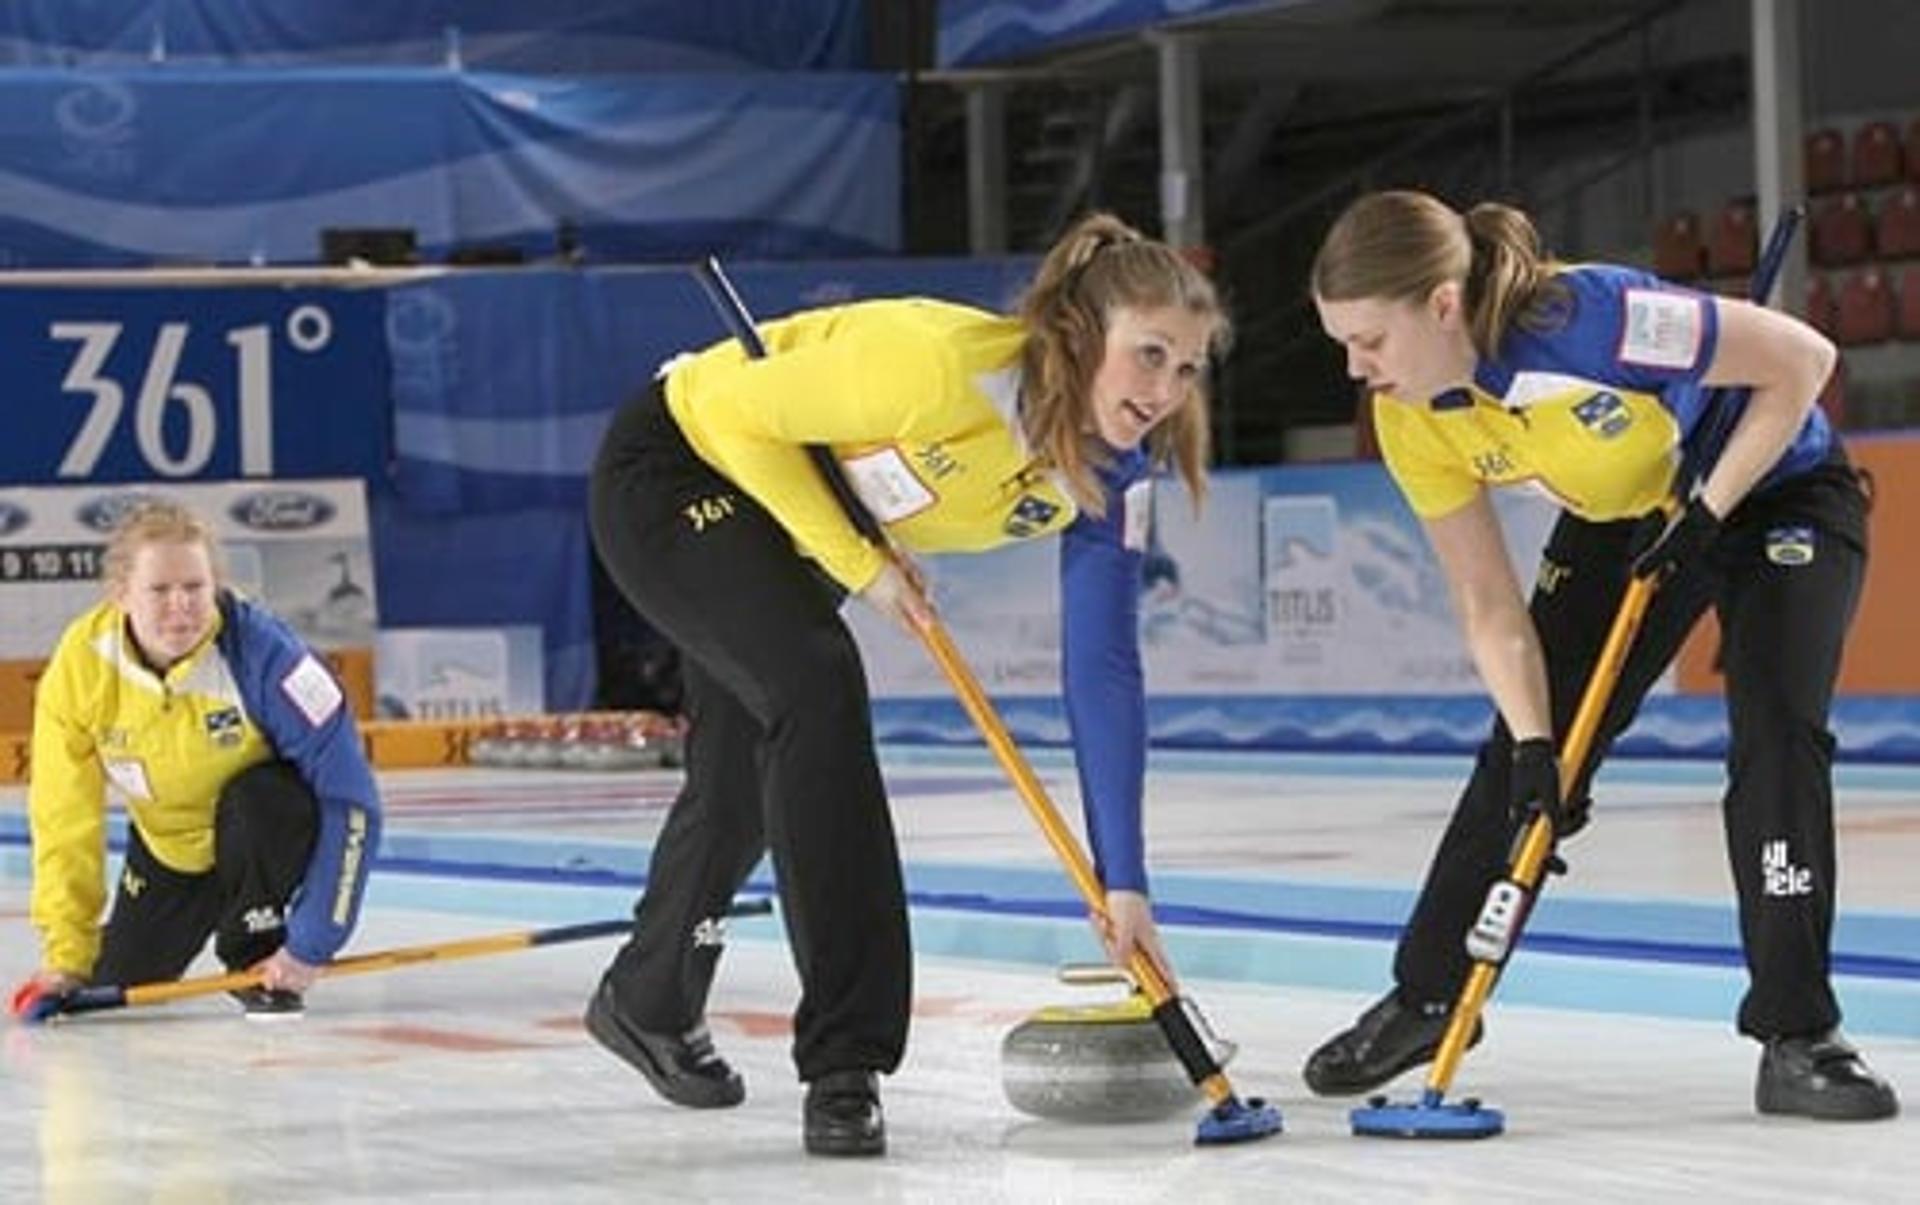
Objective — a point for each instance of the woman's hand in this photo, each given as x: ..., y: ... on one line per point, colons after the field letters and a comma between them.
x: 283, y: 971
x: 1128, y: 926
x: 899, y: 591
x: 49, y: 982
x: 53, y: 983
x: 41, y: 985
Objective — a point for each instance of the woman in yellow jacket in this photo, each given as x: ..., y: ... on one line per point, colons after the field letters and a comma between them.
x: 961, y: 430
x: 252, y: 813
x: 1492, y: 365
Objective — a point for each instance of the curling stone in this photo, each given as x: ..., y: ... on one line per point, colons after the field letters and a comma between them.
x: 1096, y: 1063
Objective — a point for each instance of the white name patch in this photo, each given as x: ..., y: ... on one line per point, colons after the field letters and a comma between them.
x: 312, y: 690
x: 129, y: 776
x: 1138, y: 521
x: 887, y: 484
x: 1662, y: 330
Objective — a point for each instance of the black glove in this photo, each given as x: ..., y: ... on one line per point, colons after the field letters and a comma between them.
x: 1534, y: 787
x: 1660, y: 549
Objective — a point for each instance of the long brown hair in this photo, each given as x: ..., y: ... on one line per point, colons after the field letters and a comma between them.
x: 1101, y: 264
x: 1401, y: 245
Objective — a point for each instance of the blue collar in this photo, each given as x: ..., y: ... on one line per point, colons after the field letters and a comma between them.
x: 1493, y: 376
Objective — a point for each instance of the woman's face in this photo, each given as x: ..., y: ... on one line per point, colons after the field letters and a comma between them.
x: 1151, y: 365
x: 1412, y: 350
x: 168, y: 599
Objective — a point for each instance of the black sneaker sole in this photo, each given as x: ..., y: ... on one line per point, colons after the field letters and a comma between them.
x: 284, y: 1006
x: 1823, y: 1106
x: 690, y: 1092
x: 843, y: 1146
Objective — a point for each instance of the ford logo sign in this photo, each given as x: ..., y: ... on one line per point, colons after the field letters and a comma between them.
x: 281, y: 510
x: 13, y: 518
x: 106, y: 512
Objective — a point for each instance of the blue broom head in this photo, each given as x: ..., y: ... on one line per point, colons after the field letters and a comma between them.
x: 1234, y: 1120
x: 1430, y: 1117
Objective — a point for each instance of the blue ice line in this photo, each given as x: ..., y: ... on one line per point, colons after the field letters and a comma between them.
x: 1866, y: 966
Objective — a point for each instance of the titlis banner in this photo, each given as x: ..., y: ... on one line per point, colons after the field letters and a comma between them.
x: 301, y: 548
x: 159, y: 384
x: 1304, y: 581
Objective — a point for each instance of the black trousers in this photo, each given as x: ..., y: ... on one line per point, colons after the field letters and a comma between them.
x: 780, y: 756
x: 264, y: 826
x: 1783, y: 619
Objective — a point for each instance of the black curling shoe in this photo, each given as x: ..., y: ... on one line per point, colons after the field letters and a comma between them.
x: 1389, y: 1038
x: 684, y: 1068
x: 1821, y: 1076
x: 843, y: 1115
x: 262, y: 1003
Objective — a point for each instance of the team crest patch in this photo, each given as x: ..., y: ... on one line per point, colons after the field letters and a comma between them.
x: 224, y: 727
x: 1604, y: 414
x: 1790, y: 545
x: 1030, y: 516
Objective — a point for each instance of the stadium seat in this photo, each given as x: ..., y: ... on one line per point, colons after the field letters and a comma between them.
x: 1897, y: 232
x: 1842, y: 232
x: 1907, y: 325
x: 1820, y: 304
x: 1678, y: 252
x: 1826, y: 161
x: 1866, y: 310
x: 1876, y: 155
x: 1913, y: 149
x: 1733, y: 246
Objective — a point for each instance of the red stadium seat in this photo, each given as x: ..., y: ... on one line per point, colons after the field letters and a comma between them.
x: 1734, y: 246
x: 1876, y: 155
x: 1907, y: 325
x: 1820, y: 308
x: 1826, y: 161
x: 1842, y: 232
x: 1913, y: 149
x: 1678, y: 252
x: 1866, y: 309
x: 1897, y: 232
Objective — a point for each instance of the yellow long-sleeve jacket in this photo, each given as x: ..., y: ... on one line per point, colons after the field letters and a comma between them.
x: 917, y: 400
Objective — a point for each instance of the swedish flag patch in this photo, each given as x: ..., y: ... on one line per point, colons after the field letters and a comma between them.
x: 1790, y: 545
x: 1030, y: 516
x: 1604, y: 414
x: 224, y: 727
